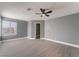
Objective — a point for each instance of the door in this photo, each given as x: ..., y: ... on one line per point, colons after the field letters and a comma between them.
x: 38, y: 31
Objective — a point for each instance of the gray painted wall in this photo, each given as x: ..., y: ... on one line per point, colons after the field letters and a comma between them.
x: 21, y: 28
x: 0, y: 27
x: 32, y: 28
x: 64, y: 29
x: 29, y: 29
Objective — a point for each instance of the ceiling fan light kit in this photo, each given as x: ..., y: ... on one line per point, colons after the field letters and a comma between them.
x: 44, y: 12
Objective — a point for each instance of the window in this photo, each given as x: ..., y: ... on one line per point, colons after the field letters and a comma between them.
x: 9, y: 28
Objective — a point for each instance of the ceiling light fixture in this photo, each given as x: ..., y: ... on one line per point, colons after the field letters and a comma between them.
x: 44, y: 12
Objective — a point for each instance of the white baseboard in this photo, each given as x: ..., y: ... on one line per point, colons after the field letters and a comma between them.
x: 15, y: 39
x: 60, y: 42
x: 56, y: 41
x: 30, y: 38
x: 33, y: 38
x: 18, y: 39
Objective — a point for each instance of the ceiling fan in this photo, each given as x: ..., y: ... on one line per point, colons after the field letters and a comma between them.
x: 44, y: 12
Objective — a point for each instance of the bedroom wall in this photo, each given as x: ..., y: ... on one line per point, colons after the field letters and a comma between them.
x: 29, y: 29
x: 21, y: 28
x: 32, y: 28
x: 64, y: 29
x: 0, y: 28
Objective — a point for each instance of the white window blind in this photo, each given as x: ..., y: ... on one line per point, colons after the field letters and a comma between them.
x: 9, y: 28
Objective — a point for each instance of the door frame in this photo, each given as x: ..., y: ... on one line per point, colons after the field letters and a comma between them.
x: 35, y: 29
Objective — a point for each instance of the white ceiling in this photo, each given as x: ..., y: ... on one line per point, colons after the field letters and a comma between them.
x: 18, y: 10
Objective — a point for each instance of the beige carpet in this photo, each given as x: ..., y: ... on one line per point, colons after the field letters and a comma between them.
x: 34, y: 48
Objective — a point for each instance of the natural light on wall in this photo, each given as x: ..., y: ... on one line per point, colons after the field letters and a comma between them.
x: 9, y: 28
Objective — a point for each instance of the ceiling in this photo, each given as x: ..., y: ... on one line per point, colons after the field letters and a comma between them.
x: 18, y: 10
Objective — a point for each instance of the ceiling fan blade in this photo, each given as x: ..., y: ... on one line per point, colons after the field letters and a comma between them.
x: 38, y: 13
x: 47, y: 15
x: 49, y: 11
x: 42, y: 10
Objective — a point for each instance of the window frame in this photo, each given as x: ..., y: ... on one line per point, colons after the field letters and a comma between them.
x: 15, y: 30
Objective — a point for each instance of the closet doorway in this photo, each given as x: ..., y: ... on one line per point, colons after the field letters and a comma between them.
x: 38, y: 31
